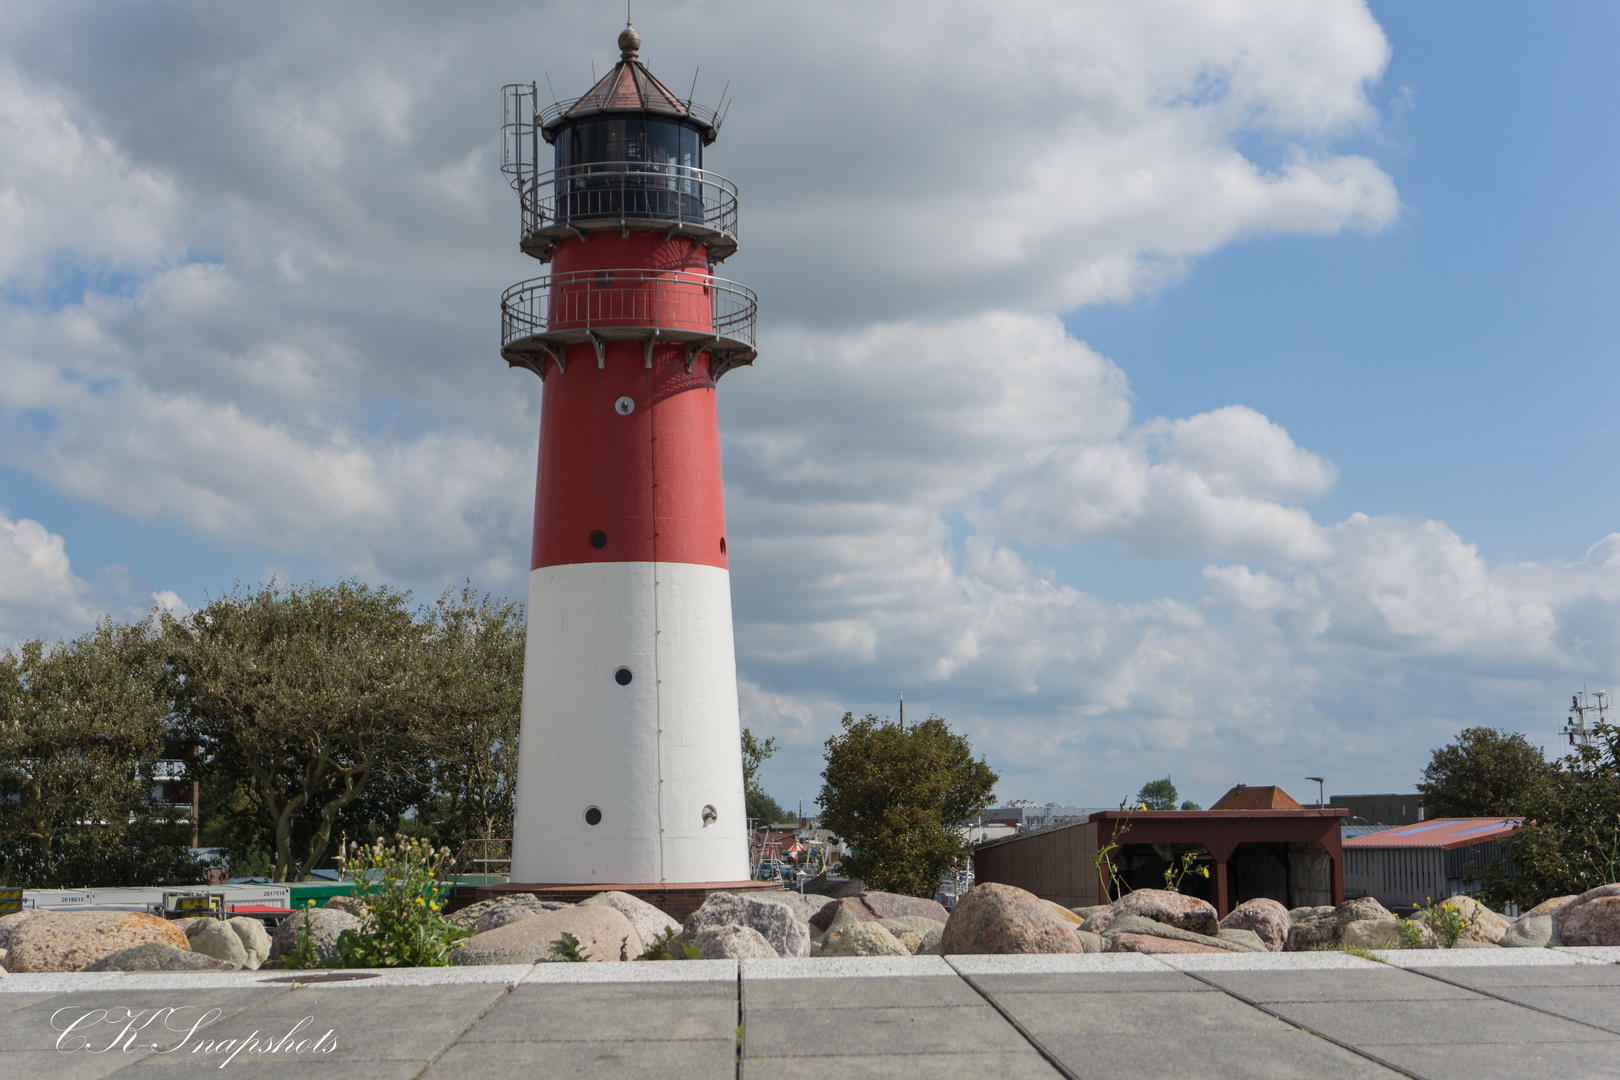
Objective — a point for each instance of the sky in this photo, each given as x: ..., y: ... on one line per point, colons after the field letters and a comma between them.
x: 1212, y: 390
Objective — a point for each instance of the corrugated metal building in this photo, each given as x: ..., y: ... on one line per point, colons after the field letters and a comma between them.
x: 1407, y: 866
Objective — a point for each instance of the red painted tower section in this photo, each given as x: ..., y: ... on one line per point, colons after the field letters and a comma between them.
x: 629, y: 765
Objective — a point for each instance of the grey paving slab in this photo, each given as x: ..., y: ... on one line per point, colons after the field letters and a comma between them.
x: 1135, y: 1015
x: 1374, y: 1024
x: 243, y: 1067
x: 878, y: 1031
x: 1488, y: 1061
x: 1596, y: 1005
x: 1266, y: 961
x: 840, y: 967
x: 1161, y: 981
x: 86, y: 1023
x: 859, y: 993
x: 650, y: 971
x: 1012, y: 1066
x: 714, y: 1059
x: 52, y: 1065
x: 610, y: 1013
x: 56, y: 982
x: 494, y: 974
x: 1041, y: 965
x: 1465, y: 958
x: 1602, y: 954
x: 1490, y: 978
x: 1378, y: 984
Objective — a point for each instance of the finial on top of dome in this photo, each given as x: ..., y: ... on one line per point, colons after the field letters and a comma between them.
x: 629, y: 42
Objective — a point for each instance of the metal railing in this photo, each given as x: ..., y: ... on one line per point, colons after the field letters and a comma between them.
x: 631, y: 194
x: 677, y: 306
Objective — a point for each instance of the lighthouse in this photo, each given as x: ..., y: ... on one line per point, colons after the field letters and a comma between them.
x: 629, y: 757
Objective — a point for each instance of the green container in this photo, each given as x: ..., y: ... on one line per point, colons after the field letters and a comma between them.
x: 319, y: 891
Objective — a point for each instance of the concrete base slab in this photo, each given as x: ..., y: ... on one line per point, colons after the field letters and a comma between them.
x: 1482, y: 958
x: 844, y: 967
x: 1299, y: 961
x: 1053, y: 965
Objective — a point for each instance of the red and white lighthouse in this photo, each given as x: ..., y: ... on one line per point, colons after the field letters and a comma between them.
x: 629, y: 759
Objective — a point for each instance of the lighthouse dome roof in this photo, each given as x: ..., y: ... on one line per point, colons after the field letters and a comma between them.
x: 629, y: 88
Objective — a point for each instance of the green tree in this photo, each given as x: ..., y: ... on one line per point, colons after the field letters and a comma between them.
x: 308, y: 698
x: 1570, y: 841
x: 1190, y: 805
x: 1158, y: 795
x: 897, y: 796
x: 80, y: 726
x: 1483, y: 773
x: 760, y: 806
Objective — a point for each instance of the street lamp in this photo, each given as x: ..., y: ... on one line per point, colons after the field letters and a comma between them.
x: 1319, y: 799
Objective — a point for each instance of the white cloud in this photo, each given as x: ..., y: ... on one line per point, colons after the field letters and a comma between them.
x: 39, y: 594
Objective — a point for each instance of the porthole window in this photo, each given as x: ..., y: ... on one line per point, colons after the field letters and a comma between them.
x: 623, y: 676
x: 625, y: 405
x: 598, y: 539
x: 593, y: 816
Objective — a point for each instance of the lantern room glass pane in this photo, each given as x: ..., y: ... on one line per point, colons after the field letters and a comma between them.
x: 662, y: 182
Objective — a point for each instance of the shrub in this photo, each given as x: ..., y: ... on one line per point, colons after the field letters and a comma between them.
x: 398, y: 888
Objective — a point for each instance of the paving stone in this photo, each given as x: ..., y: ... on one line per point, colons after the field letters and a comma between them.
x: 1009, y: 1066
x: 1376, y: 1024
x: 287, y: 1068
x: 1492, y: 978
x: 1033, y: 965
x: 659, y: 971
x: 50, y: 1065
x: 1440, y: 959
x: 1380, y: 984
x: 711, y: 1059
x: 1495, y: 1061
x: 638, y: 1013
x: 795, y: 1032
x: 1136, y: 1015
x: 1284, y: 1053
x: 1599, y: 1005
x: 859, y: 993
x: 839, y: 967
x: 1266, y: 961
x: 1093, y: 982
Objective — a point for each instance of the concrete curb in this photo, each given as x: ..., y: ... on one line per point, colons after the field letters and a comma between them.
x: 1472, y: 958
x: 1059, y: 964
x: 1267, y: 961
x: 846, y: 967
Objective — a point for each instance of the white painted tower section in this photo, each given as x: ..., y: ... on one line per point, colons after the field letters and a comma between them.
x: 652, y: 756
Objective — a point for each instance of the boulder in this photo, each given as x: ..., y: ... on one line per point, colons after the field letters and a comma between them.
x: 1325, y: 930
x: 324, y: 926
x: 919, y: 942
x: 733, y: 941
x: 603, y: 933
x: 773, y: 919
x: 66, y: 941
x: 467, y: 917
x: 255, y: 939
x: 909, y: 924
x: 1088, y: 911
x: 1552, y: 906
x: 504, y: 915
x: 1487, y: 925
x: 9, y: 923
x: 1304, y: 914
x: 650, y: 922
x: 1090, y: 942
x: 999, y: 919
x: 1529, y: 932
x: 1592, y: 918
x: 1065, y: 915
x: 836, y: 887
x: 1265, y: 917
x: 1172, y: 909
x: 1470, y: 943
x: 158, y: 956
x: 1139, y: 926
x: 805, y: 906
x: 465, y: 957
x: 346, y: 904
x: 865, y: 939
x: 870, y: 905
x: 211, y: 937
x: 1383, y: 934
x: 1142, y: 943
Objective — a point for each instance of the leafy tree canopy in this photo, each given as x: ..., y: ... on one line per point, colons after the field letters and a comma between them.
x: 1483, y: 773
x: 1190, y: 805
x: 762, y: 809
x: 897, y: 795
x: 1158, y: 795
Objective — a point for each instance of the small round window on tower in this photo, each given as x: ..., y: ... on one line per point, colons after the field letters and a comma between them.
x: 625, y: 405
x: 623, y: 676
x: 598, y: 539
x: 593, y: 816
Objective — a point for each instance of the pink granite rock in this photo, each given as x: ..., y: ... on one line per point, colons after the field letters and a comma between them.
x: 603, y: 933
x: 998, y: 919
x: 1266, y: 917
x: 1592, y: 918
x: 1485, y: 925
x: 10, y: 923
x: 1326, y: 930
x: 1142, y: 943
x: 870, y: 905
x: 1170, y: 908
x: 67, y: 941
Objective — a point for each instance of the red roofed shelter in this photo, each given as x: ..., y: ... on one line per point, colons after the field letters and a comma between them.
x: 1279, y: 850
x: 1429, y: 861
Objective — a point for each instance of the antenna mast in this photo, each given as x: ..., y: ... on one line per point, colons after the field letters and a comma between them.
x: 1576, y: 728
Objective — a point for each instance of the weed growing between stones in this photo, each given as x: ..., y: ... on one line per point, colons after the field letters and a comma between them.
x: 1364, y: 953
x: 566, y: 950
x: 665, y: 947
x: 302, y: 956
x: 1411, y: 933
x: 1446, y: 921
x: 1180, y: 869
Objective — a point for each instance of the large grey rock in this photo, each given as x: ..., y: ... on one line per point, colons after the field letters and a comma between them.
x: 9, y: 923
x: 1172, y: 909
x: 465, y: 957
x: 1266, y: 917
x: 211, y: 937
x: 1090, y: 942
x: 906, y: 924
x: 734, y: 941
x: 871, y: 905
x: 1384, y: 934
x: 1326, y: 929
x: 803, y: 905
x: 865, y: 939
x: 921, y: 942
x: 504, y: 915
x: 650, y: 922
x: 1529, y: 932
x: 996, y: 919
x: 603, y: 933
x: 1484, y: 924
x: 156, y: 956
x: 254, y: 937
x: 1230, y: 940
x: 1470, y: 943
x: 325, y: 925
x: 348, y: 904
x: 772, y: 919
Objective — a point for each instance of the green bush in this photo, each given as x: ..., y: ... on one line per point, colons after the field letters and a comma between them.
x: 398, y: 888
